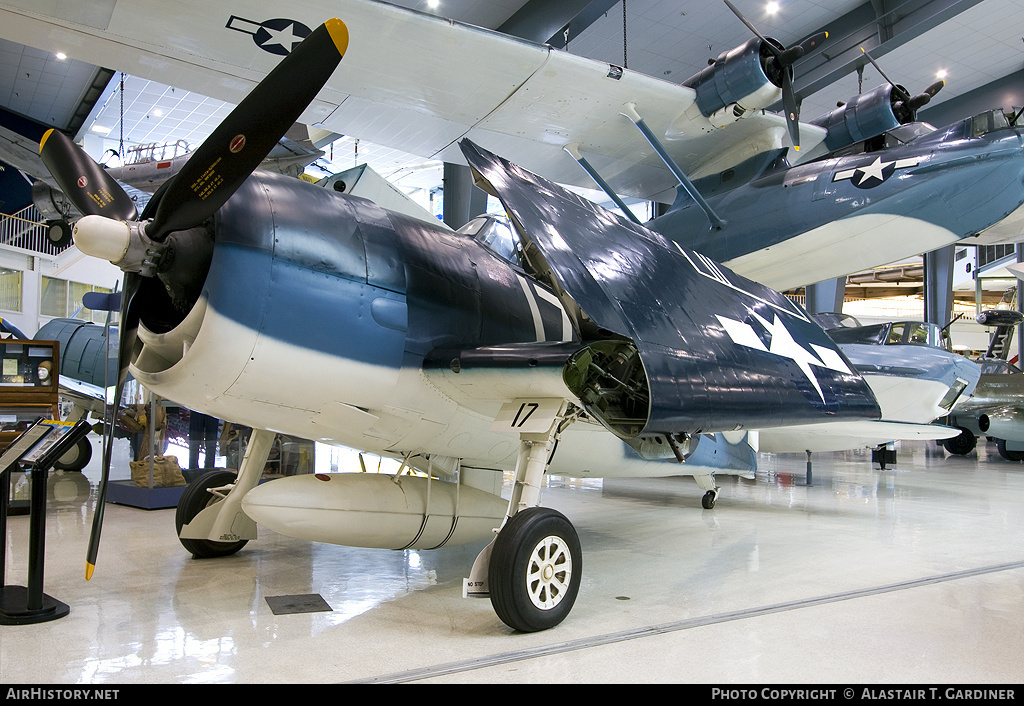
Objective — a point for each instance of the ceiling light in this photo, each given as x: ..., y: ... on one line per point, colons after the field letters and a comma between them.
x: 61, y: 56
x: 771, y: 8
x: 941, y: 73
x: 158, y: 112
x: 101, y: 130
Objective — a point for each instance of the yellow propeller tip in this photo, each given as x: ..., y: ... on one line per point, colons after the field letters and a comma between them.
x: 339, y: 33
x: 45, y: 136
x: 796, y: 147
x: 89, y: 568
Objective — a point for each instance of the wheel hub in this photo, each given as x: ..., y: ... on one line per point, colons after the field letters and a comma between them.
x: 549, y: 573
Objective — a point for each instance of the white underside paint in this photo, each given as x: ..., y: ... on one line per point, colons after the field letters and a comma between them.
x: 838, y: 248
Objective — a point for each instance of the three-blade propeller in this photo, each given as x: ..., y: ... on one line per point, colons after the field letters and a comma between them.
x: 209, y: 178
x: 907, y: 106
x: 784, y: 58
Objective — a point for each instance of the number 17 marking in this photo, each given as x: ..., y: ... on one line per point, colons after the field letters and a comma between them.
x: 517, y: 422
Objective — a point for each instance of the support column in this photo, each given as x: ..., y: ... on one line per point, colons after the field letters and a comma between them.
x: 826, y: 296
x: 938, y: 285
x: 462, y: 200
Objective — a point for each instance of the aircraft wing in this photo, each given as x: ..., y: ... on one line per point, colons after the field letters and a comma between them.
x: 90, y: 397
x: 718, y: 352
x: 840, y: 436
x: 418, y: 83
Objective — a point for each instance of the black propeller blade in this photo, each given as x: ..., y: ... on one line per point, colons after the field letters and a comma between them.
x: 784, y: 58
x: 907, y: 106
x: 245, y: 137
x: 86, y: 184
x: 127, y: 326
x: 213, y: 173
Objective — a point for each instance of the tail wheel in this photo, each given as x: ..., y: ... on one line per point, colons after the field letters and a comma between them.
x: 196, y: 498
x: 535, y: 569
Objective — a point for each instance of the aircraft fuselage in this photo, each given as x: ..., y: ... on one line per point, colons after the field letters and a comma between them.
x: 816, y: 221
x: 317, y: 311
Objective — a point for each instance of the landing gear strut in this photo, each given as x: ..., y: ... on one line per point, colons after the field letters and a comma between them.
x: 534, y: 566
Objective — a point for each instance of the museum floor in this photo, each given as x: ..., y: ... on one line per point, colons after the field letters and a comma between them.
x: 909, y: 575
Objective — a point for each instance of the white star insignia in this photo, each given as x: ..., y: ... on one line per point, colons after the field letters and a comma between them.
x: 873, y: 171
x: 285, y: 38
x: 784, y: 345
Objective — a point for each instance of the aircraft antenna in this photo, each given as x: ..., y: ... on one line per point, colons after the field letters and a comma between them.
x: 625, y: 63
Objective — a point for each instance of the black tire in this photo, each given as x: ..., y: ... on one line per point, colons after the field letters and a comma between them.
x: 534, y: 542
x: 58, y: 234
x: 194, y: 500
x: 708, y: 500
x: 77, y: 457
x: 961, y: 445
x: 1007, y: 453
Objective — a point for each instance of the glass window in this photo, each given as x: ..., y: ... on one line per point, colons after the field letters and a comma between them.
x: 54, y: 297
x: 76, y: 290
x: 10, y: 290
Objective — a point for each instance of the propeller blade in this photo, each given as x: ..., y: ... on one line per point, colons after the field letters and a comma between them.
x: 934, y: 88
x: 792, y: 108
x: 812, y: 42
x: 901, y: 92
x: 245, y: 137
x: 127, y: 326
x: 752, y: 28
x: 795, y: 52
x: 86, y: 184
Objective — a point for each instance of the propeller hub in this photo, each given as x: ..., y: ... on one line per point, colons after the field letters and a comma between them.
x: 123, y: 244
x: 102, y: 237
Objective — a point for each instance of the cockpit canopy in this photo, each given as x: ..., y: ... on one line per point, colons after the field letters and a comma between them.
x: 913, y: 333
x: 497, y: 234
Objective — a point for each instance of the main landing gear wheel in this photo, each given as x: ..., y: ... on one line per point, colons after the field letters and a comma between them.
x: 709, y: 499
x: 1008, y: 454
x: 535, y: 569
x: 961, y: 445
x: 196, y: 498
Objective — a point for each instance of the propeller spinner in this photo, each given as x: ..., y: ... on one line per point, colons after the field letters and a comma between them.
x: 214, y: 172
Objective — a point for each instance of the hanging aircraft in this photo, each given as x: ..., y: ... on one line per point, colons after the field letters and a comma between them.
x: 569, y: 118
x: 395, y: 335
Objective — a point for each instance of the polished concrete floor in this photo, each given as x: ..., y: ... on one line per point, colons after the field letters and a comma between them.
x: 910, y: 575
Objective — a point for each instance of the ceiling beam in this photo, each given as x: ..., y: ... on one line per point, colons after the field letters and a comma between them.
x: 878, y: 26
x: 547, y: 22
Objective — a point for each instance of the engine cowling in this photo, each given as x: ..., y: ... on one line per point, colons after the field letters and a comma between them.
x: 742, y: 79
x: 866, y: 116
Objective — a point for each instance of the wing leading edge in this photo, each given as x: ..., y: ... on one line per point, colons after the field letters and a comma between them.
x: 675, y: 342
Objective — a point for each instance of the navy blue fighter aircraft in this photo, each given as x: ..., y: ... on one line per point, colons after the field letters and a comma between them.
x: 290, y: 308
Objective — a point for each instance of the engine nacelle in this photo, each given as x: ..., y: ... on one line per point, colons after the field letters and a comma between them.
x: 739, y: 80
x: 1007, y: 425
x: 866, y: 116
